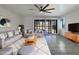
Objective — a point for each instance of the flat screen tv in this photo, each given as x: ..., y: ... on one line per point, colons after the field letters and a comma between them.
x: 74, y: 27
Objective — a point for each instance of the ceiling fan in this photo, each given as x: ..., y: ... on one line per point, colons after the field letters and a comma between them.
x: 44, y: 8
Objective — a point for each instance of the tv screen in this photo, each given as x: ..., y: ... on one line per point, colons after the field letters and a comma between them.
x: 74, y: 27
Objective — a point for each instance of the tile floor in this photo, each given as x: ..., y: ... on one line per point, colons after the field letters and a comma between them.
x: 59, y: 45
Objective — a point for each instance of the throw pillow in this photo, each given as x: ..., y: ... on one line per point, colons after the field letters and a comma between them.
x: 10, y: 34
x: 2, y: 36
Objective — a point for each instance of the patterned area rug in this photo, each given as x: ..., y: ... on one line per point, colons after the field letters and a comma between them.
x: 41, y: 47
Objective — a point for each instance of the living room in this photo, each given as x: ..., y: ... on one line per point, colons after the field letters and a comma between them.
x: 56, y: 26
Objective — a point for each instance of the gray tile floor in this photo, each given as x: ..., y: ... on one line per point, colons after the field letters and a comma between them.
x: 59, y: 45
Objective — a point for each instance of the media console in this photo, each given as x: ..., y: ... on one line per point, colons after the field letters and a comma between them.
x: 72, y: 36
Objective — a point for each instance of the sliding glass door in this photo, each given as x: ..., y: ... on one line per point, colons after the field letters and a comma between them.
x: 49, y: 25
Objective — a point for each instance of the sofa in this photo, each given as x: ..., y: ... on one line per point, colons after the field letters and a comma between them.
x: 10, y: 42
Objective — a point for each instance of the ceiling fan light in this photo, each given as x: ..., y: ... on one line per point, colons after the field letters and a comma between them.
x: 41, y: 12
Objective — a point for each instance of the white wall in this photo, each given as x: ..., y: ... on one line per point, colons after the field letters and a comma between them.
x: 72, y: 17
x: 15, y: 20
x: 28, y: 22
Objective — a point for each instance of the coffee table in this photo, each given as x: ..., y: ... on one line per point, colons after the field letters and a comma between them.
x: 30, y: 40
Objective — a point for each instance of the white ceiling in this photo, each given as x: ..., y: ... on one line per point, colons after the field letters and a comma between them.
x: 30, y: 9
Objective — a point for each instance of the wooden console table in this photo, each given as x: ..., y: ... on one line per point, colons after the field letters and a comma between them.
x: 72, y: 36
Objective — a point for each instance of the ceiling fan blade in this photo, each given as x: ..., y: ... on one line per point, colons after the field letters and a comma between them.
x: 50, y: 9
x: 48, y: 12
x: 37, y: 6
x: 46, y: 6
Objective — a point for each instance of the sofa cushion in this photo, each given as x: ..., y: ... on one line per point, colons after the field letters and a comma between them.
x: 3, y: 35
x: 17, y: 45
x: 11, y: 40
x: 17, y: 32
x: 10, y: 34
x: 6, y: 51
